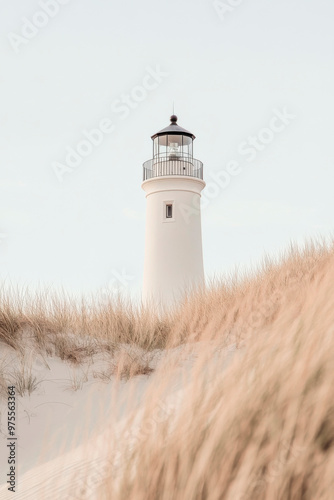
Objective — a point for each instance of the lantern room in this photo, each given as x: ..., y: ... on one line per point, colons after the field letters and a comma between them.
x: 173, y: 142
x: 173, y: 153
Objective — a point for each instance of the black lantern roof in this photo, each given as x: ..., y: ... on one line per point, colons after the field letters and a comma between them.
x: 173, y: 129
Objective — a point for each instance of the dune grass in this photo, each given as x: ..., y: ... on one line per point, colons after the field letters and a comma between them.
x: 262, y: 428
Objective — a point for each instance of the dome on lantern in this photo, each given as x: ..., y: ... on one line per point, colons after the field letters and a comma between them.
x: 174, y: 128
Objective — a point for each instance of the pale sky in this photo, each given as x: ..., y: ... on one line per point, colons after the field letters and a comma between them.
x: 230, y: 69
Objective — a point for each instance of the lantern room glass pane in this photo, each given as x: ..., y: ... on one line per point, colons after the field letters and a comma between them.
x: 160, y: 147
x: 171, y: 146
x: 187, y: 147
x: 155, y: 147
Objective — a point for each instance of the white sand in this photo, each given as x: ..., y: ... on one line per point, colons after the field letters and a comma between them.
x: 67, y: 439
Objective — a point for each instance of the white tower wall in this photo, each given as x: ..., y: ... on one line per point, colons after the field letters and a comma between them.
x: 173, y: 246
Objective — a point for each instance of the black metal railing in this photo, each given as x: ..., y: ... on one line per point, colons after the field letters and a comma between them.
x: 159, y: 167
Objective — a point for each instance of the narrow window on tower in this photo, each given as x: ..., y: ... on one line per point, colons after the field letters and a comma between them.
x: 168, y: 214
x: 169, y: 211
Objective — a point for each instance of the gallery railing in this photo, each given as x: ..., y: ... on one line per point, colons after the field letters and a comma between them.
x: 159, y: 167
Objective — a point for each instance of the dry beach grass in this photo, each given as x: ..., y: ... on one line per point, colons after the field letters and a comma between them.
x: 263, y: 429
x: 258, y: 427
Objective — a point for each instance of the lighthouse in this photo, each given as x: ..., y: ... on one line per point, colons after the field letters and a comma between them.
x: 173, y: 182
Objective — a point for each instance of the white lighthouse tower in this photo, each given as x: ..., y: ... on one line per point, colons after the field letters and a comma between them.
x: 173, y: 181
